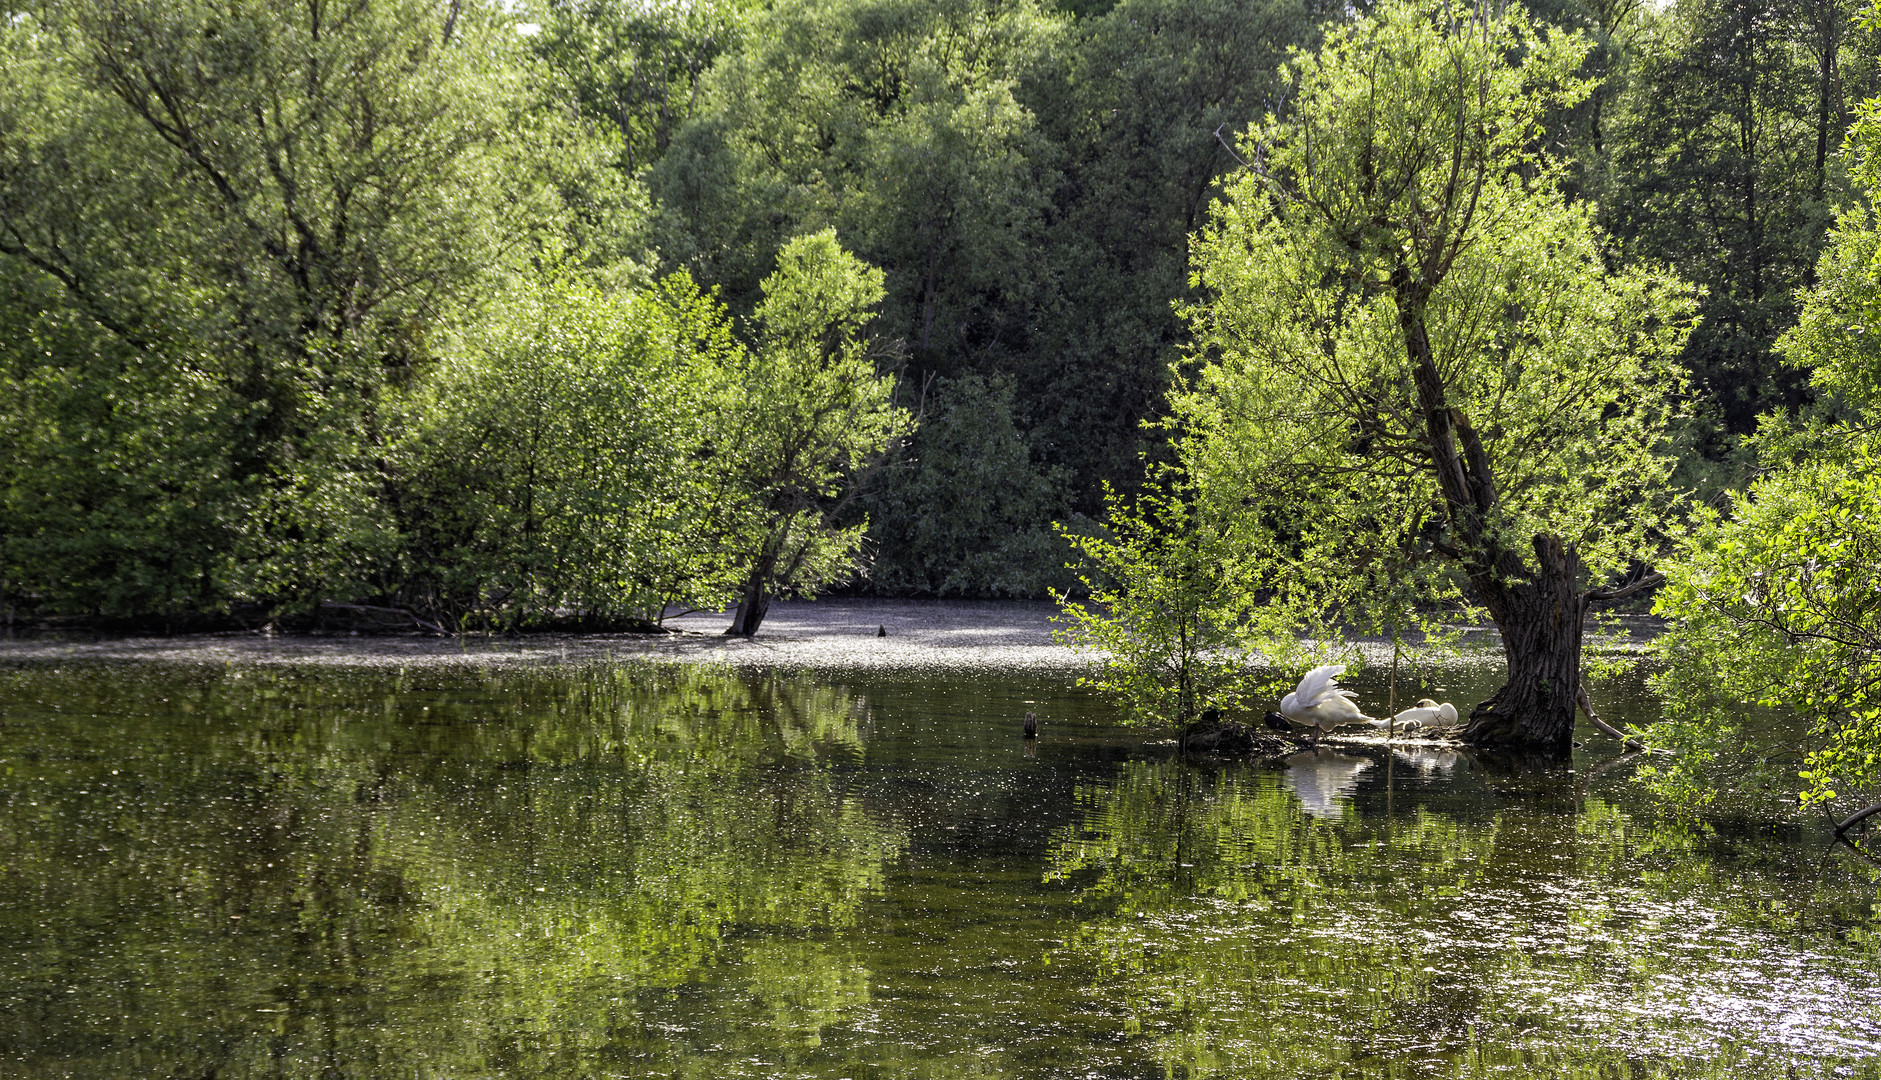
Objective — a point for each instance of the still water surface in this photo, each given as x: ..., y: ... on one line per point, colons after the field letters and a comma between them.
x: 611, y: 870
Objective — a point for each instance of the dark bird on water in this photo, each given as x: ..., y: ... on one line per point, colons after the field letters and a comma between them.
x: 881, y: 631
x: 1031, y: 726
x: 1277, y: 722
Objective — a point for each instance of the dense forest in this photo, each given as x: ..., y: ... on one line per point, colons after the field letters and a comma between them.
x: 564, y: 313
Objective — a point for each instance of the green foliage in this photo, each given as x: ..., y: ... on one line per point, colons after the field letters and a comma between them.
x: 596, y: 456
x: 813, y: 418
x: 1720, y: 158
x: 115, y: 495
x: 231, y: 228
x: 1779, y: 604
x: 968, y: 512
x: 907, y: 126
x: 1376, y: 269
x: 1170, y: 608
x: 1137, y: 111
x: 550, y: 467
x: 895, y: 123
x: 235, y: 240
x: 634, y: 69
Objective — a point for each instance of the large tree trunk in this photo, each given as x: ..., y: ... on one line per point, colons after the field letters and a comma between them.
x: 1540, y: 619
x: 754, y: 599
x: 1538, y: 610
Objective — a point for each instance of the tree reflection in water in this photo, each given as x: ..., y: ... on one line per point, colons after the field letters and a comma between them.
x: 288, y: 872
x: 1254, y: 923
x: 572, y: 872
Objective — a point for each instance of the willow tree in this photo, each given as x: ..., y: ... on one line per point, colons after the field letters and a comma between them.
x: 1414, y: 352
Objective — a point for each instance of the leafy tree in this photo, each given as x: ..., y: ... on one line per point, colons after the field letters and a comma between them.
x: 907, y: 126
x: 1779, y: 603
x: 1616, y: 31
x: 635, y: 69
x: 1168, y: 609
x: 1138, y: 109
x: 1416, y: 352
x: 813, y: 418
x: 1721, y: 162
x: 237, y: 225
x: 968, y: 512
x: 895, y: 123
x: 551, y: 465
x: 1778, y: 607
x: 115, y: 492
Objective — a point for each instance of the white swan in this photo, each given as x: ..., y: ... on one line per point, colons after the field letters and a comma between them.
x: 1319, y: 704
x: 1426, y: 713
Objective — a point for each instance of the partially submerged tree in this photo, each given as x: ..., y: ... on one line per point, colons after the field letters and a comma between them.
x: 1414, y: 351
x: 813, y: 418
x: 1167, y: 607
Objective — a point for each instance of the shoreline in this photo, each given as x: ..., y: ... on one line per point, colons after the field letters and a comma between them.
x: 834, y: 634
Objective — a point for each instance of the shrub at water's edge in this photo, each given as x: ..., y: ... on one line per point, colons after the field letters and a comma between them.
x: 1778, y: 603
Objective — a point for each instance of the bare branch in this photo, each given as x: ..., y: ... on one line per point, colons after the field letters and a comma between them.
x: 1857, y: 818
x: 1611, y: 593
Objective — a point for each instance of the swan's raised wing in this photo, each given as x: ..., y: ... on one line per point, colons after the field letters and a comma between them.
x: 1318, y: 686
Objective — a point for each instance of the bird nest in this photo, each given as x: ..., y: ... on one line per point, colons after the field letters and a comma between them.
x: 1231, y: 738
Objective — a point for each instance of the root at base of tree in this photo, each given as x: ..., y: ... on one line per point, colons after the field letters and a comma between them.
x: 1857, y: 818
x: 1626, y: 740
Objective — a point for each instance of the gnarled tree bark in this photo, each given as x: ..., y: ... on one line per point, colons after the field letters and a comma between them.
x: 1541, y: 619
x: 1539, y: 608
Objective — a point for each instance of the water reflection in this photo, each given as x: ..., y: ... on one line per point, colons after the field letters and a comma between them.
x: 614, y: 871
x: 1427, y: 761
x: 286, y: 874
x: 1251, y: 935
x: 1321, y: 778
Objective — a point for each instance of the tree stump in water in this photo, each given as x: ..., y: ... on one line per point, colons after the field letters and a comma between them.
x: 1226, y: 738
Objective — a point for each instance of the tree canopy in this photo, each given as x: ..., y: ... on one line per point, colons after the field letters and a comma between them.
x: 462, y: 310
x: 1415, y: 350
x: 813, y: 417
x: 252, y: 220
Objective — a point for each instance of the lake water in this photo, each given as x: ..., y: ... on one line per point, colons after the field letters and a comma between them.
x: 611, y: 870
